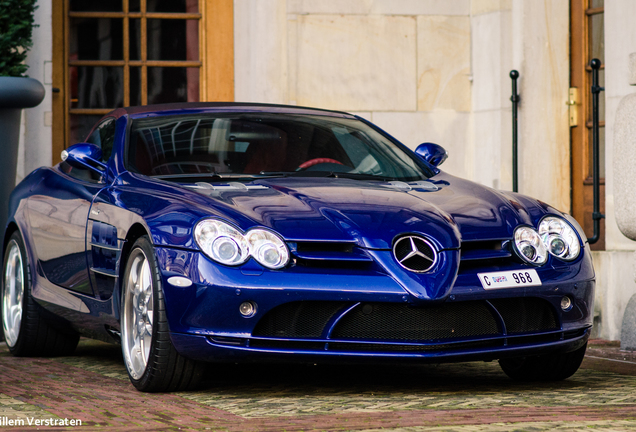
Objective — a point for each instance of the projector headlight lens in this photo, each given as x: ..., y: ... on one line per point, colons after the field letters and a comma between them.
x: 559, y: 238
x: 221, y: 242
x: 267, y: 248
x: 529, y: 245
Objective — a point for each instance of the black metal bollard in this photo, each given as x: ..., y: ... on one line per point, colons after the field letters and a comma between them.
x: 595, y: 64
x: 514, y: 75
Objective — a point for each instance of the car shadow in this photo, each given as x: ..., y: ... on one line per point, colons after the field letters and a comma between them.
x: 317, y: 379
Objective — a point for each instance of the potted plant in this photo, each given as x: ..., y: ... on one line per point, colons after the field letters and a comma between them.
x: 17, y: 91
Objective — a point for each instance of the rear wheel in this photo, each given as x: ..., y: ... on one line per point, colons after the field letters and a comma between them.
x: 553, y: 367
x: 25, y: 328
x: 152, y: 362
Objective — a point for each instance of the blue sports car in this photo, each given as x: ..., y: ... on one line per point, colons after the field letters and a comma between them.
x: 195, y: 233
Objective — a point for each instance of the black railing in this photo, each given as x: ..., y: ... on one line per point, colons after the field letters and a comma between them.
x: 595, y: 64
x: 514, y: 75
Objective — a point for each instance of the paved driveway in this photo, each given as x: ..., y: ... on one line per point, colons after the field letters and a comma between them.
x: 92, y: 386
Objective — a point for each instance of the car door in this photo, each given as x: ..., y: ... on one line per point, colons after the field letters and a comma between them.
x: 58, y: 214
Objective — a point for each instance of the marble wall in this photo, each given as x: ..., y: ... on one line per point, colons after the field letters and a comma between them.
x: 424, y: 70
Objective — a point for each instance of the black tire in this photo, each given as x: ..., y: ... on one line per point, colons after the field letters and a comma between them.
x: 160, y: 367
x: 553, y: 367
x: 32, y: 335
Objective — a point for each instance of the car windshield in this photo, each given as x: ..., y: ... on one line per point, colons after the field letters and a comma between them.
x: 257, y: 145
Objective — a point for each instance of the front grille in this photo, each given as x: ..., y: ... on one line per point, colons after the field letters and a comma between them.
x: 345, y: 256
x: 390, y: 321
x: 486, y: 254
x: 334, y: 264
x: 522, y: 315
x: 324, y: 247
x: 297, y: 319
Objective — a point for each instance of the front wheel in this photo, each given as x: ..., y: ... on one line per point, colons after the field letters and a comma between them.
x: 552, y: 367
x: 152, y: 362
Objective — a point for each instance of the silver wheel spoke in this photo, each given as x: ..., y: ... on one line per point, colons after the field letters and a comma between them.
x: 146, y: 340
x: 137, y: 356
x: 137, y: 316
x: 13, y: 294
x: 15, y: 315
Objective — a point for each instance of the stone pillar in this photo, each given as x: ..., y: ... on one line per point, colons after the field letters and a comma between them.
x: 625, y: 188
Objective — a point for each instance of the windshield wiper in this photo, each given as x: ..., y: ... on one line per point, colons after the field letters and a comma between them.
x: 333, y: 174
x: 358, y: 176
x: 278, y: 173
x: 220, y: 176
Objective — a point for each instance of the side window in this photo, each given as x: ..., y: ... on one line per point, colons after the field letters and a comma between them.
x: 104, y: 136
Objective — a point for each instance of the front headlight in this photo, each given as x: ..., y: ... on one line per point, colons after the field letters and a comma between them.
x: 267, y: 248
x: 529, y: 246
x: 227, y: 245
x: 559, y: 238
x: 221, y: 242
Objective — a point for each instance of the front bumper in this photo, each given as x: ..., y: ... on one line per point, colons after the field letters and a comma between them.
x: 206, y: 324
x: 224, y: 350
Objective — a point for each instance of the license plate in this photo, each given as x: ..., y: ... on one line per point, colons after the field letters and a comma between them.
x: 509, y: 279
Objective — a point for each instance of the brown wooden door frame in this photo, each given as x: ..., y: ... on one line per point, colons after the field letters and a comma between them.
x: 580, y: 77
x: 59, y: 106
x: 216, y: 57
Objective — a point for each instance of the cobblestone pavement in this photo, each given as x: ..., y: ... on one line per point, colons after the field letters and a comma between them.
x: 92, y: 386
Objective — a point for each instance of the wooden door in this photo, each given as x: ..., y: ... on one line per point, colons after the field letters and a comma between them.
x: 114, y: 53
x: 586, y: 43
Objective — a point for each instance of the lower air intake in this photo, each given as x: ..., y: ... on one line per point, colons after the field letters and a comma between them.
x: 523, y: 315
x: 298, y: 319
x: 398, y: 322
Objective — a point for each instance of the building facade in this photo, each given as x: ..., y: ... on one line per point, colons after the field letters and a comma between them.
x: 424, y: 70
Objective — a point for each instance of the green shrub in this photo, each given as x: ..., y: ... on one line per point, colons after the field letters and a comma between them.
x: 16, y: 25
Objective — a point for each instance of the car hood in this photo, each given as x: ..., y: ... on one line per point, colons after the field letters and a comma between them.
x: 446, y: 209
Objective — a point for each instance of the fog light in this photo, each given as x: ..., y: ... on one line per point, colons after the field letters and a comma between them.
x: 247, y: 309
x: 566, y: 303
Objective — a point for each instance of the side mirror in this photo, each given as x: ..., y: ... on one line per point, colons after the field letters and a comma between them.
x: 434, y: 154
x: 84, y: 156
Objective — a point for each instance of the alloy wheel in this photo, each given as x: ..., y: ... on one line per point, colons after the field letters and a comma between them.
x: 13, y: 294
x: 137, y: 317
